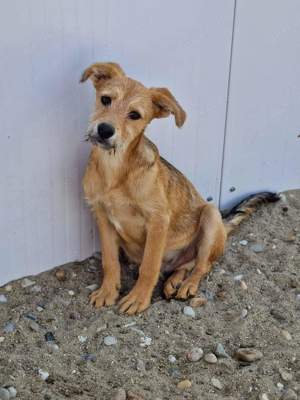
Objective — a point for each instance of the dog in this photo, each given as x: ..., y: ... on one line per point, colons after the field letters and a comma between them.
x: 141, y: 202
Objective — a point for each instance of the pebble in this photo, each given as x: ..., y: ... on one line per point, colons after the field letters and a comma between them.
x: 4, y: 394
x: 12, y: 392
x: 244, y: 313
x: 210, y: 358
x: 43, y: 374
x: 30, y: 316
x: 134, y: 396
x: 172, y: 359
x: 289, y: 394
x: 92, y: 287
x: 182, y: 385
x: 243, y: 285
x: 198, y: 302
x: 3, y: 299
x: 208, y: 294
x: 145, y: 341
x: 39, y: 308
x: 49, y: 337
x: 82, y: 338
x: 195, y: 354
x: 263, y: 396
x: 243, y: 242
x: 8, y: 288
x: 286, y: 335
x: 285, y: 375
x: 27, y: 282
x: 248, y: 355
x: 120, y: 394
x: 280, y: 385
x: 34, y: 326
x: 220, y: 351
x: 238, y: 278
x: 36, y: 289
x: 257, y: 248
x: 88, y: 357
x: 216, y: 383
x: 298, y: 297
x: 52, y: 347
x: 71, y: 292
x: 140, y: 365
x: 189, y: 311
x: 291, y: 237
x: 101, y: 328
x: 2, y: 339
x: 9, y: 327
x: 110, y: 340
x: 60, y: 275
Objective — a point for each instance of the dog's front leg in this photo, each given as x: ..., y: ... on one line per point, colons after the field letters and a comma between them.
x: 109, y: 290
x: 139, y: 297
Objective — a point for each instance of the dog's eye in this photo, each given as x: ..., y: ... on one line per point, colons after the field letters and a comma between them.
x: 106, y: 100
x: 134, y: 115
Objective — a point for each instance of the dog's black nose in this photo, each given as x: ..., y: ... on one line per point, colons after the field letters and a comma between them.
x: 105, y: 131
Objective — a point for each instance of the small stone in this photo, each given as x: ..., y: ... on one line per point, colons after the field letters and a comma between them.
x: 110, y: 340
x: 27, y: 282
x: 36, y: 289
x: 286, y: 335
x: 210, y: 358
x: 39, y: 308
x: 82, y: 338
x: 220, y: 351
x: 285, y: 375
x: 172, y: 359
x: 92, y: 287
x: 120, y: 394
x: 145, y: 341
x: 243, y: 285
x: 74, y: 315
x: 189, y: 311
x: 208, y: 294
x: 9, y: 327
x: 257, y: 248
x: 4, y: 394
x: 12, y: 392
x: 134, y: 396
x: 101, y: 328
x: 280, y: 385
x: 43, y: 374
x: 198, y: 302
x: 71, y: 292
x: 289, y: 394
x: 195, y: 354
x: 291, y: 237
x: 2, y: 339
x: 52, y: 347
x: 8, y: 288
x: 243, y: 242
x: 34, y: 326
x: 60, y: 275
x: 244, y: 313
x: 182, y: 385
x: 30, y: 316
x: 238, y: 278
x: 49, y: 337
x: 263, y: 396
x: 3, y: 299
x: 216, y: 383
x: 140, y: 365
x: 248, y: 355
x: 88, y: 357
x: 298, y: 297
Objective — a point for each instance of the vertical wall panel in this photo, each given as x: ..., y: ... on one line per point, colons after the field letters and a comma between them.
x: 44, y: 47
x: 262, y: 145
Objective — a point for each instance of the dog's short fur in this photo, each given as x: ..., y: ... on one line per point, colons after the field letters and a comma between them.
x: 141, y: 202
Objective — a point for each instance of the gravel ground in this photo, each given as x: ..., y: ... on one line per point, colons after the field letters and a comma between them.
x: 54, y: 345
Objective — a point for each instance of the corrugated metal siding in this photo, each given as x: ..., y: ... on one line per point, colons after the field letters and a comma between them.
x: 44, y: 111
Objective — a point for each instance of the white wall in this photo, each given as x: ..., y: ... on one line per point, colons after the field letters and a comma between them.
x: 246, y: 91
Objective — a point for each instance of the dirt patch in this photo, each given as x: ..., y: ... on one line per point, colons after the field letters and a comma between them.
x: 253, y: 301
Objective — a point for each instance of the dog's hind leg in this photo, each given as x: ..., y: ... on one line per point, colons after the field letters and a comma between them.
x: 175, y: 280
x: 211, y: 241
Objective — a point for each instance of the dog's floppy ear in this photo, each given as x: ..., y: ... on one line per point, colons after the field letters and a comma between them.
x: 100, y: 72
x: 165, y: 104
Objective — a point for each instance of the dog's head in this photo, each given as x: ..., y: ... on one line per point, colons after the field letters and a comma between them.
x: 124, y: 107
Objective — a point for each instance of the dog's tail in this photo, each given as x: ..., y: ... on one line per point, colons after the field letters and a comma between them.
x: 245, y: 208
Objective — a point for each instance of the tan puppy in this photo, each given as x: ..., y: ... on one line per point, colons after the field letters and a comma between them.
x: 141, y: 202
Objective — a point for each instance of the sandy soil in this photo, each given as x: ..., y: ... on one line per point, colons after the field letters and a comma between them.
x: 87, y: 368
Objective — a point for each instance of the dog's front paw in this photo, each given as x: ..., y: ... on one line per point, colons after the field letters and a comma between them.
x: 105, y: 296
x: 187, y: 289
x: 135, y: 302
